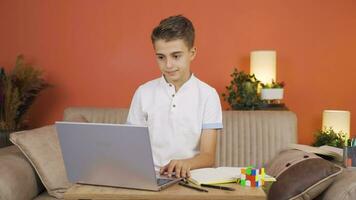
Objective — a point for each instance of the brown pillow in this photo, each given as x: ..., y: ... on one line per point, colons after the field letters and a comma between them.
x: 300, y: 175
x: 41, y: 147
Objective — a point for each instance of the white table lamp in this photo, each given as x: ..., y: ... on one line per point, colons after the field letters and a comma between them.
x: 263, y: 65
x: 338, y: 120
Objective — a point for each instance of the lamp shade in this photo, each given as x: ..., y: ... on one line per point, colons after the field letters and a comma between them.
x: 263, y: 65
x: 338, y: 120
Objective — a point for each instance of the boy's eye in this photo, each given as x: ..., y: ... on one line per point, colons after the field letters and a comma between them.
x: 176, y: 56
x: 160, y: 57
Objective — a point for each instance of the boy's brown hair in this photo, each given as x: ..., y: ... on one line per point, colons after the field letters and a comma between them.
x: 175, y: 27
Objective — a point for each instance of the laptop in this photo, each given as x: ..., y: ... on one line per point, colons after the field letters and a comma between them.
x: 110, y: 155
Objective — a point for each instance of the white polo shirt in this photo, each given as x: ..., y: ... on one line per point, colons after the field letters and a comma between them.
x: 175, y: 119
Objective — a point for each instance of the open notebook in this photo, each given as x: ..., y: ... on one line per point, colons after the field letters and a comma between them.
x: 326, y: 151
x: 215, y: 175
x: 219, y: 175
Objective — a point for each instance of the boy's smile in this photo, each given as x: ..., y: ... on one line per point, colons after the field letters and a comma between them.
x: 173, y: 58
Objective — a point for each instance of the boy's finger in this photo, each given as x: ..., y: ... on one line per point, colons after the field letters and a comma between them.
x: 184, y: 172
x: 188, y: 173
x: 170, y: 169
x: 178, y: 170
x: 163, y: 169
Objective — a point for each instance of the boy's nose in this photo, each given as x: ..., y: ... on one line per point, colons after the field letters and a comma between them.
x: 169, y: 63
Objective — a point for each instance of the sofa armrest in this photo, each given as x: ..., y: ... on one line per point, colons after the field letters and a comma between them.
x: 18, y: 179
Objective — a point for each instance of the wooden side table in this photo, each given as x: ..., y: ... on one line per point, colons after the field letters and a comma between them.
x: 79, y: 191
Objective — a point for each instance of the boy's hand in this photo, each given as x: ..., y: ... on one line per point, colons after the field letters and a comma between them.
x: 180, y: 167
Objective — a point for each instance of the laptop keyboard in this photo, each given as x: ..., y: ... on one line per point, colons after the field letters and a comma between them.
x: 162, y: 181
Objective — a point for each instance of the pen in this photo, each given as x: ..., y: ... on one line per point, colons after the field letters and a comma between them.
x: 218, y: 187
x: 192, y: 187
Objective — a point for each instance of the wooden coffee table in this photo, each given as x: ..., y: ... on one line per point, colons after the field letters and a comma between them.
x: 88, y: 192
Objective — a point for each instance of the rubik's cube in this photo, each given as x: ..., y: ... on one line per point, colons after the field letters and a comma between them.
x: 252, y: 177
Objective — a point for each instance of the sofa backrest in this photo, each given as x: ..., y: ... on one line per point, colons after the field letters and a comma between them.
x: 254, y: 137
x: 248, y: 137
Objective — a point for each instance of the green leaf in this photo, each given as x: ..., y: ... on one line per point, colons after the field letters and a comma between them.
x: 329, y: 137
x: 242, y: 91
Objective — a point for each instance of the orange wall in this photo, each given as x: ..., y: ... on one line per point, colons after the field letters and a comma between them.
x: 96, y: 53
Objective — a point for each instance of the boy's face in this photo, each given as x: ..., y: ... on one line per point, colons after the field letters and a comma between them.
x: 173, y: 58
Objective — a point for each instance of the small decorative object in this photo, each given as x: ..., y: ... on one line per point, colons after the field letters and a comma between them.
x: 252, y: 177
x: 242, y: 91
x: 18, y: 91
x: 272, y: 91
x: 329, y: 137
x: 350, y: 156
x: 349, y: 153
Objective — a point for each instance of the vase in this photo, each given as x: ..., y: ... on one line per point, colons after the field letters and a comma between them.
x: 4, y: 138
x: 272, y: 93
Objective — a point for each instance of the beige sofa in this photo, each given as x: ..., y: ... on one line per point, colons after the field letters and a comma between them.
x: 248, y: 138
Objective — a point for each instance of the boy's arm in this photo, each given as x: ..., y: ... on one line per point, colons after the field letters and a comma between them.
x: 206, y: 157
x: 136, y: 115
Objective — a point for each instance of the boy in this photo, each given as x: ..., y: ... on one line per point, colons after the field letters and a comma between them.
x: 181, y: 112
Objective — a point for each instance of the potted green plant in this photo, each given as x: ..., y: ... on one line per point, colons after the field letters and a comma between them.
x: 329, y: 137
x: 242, y: 92
x: 18, y: 90
x: 272, y: 91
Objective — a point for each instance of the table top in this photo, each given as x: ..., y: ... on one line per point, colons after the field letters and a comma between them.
x: 79, y: 191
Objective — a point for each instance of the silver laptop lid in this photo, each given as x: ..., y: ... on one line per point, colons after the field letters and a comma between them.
x: 107, y: 154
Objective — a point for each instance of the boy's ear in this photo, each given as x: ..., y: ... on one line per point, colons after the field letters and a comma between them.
x: 193, y: 52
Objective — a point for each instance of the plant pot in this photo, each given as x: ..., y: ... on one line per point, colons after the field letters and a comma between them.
x: 271, y: 93
x: 4, y: 138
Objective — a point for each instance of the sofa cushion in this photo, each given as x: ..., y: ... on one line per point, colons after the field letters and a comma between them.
x: 42, y: 149
x: 300, y: 175
x: 18, y: 180
x: 343, y: 188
